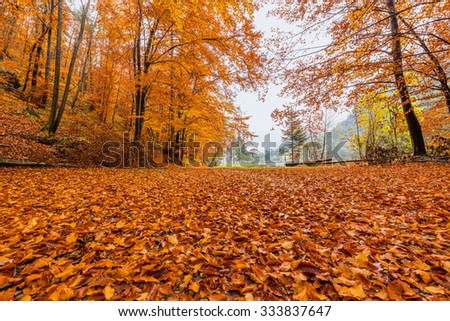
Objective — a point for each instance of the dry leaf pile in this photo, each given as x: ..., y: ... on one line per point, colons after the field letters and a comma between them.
x: 353, y: 233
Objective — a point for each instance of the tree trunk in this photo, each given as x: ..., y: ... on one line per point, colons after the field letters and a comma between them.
x: 83, y: 74
x: 116, y: 104
x: 415, y: 130
x: 71, y: 68
x: 48, y: 61
x: 139, y: 96
x: 48, y: 127
x: 35, y: 71
x: 37, y: 46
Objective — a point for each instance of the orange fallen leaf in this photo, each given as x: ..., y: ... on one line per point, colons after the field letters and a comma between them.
x: 194, y: 287
x: 62, y: 293
x: 108, y: 291
x: 435, y: 290
x: 173, y: 239
x: 71, y: 238
x: 287, y: 245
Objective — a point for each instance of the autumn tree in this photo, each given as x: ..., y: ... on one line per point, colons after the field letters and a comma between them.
x: 355, y: 60
x: 382, y: 132
x: 172, y: 42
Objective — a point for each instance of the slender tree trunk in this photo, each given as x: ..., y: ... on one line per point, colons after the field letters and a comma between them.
x: 36, y: 47
x: 415, y: 130
x: 116, y: 104
x: 83, y: 72
x: 137, y: 62
x: 358, y: 137
x: 37, y: 58
x: 48, y: 127
x: 71, y: 68
x: 48, y: 61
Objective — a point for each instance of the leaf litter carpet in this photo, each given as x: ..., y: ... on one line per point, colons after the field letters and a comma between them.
x: 333, y: 233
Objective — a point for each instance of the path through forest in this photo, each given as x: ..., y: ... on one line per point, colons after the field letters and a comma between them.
x: 320, y: 233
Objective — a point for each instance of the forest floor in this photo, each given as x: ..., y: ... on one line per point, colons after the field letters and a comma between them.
x: 78, y: 141
x: 328, y: 233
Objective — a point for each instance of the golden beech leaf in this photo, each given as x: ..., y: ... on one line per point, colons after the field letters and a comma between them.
x: 187, y: 279
x: 4, y: 280
x: 217, y: 297
x: 173, y: 239
x: 362, y: 258
x: 435, y: 290
x: 423, y: 266
x: 197, y: 267
x: 120, y: 224
x: 382, y: 294
x: 287, y: 245
x: 142, y: 297
x: 62, y: 293
x: 249, y: 297
x: 31, y: 224
x: 194, y: 287
x: 68, y: 271
x: 71, y: 238
x: 357, y: 291
x: 108, y: 291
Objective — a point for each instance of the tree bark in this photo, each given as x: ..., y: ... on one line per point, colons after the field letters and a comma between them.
x: 71, y: 68
x: 415, y: 130
x: 48, y: 61
x: 48, y: 127
x: 33, y: 60
x: 139, y: 95
x: 83, y: 72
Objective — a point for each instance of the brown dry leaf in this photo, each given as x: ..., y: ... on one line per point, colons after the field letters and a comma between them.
x: 395, y: 291
x: 238, y: 279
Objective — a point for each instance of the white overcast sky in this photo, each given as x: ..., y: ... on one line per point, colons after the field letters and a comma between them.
x: 260, y: 122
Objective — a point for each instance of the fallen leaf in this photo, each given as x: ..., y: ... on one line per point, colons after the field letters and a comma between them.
x: 194, y: 287
x: 108, y: 291
x: 71, y: 238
